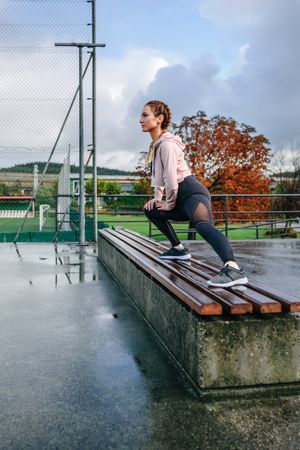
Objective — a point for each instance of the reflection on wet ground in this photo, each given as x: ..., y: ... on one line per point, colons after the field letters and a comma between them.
x: 48, y: 264
x: 80, y: 369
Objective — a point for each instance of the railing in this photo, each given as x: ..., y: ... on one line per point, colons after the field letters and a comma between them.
x: 262, y: 215
x: 275, y: 222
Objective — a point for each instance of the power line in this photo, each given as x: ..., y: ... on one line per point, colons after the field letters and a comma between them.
x: 43, y: 24
x: 21, y: 147
x: 48, y: 1
x: 43, y: 49
x: 33, y: 99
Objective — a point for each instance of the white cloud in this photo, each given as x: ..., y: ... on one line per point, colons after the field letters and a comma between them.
x: 234, y: 12
x: 260, y: 88
x: 118, y: 84
x: 125, y: 160
x: 120, y: 79
x: 240, y: 62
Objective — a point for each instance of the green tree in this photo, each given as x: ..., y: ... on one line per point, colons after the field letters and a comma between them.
x: 46, y: 195
x: 112, y: 187
x: 101, y: 187
x: 143, y: 186
x: 4, y: 189
x: 286, y: 166
x: 15, y: 189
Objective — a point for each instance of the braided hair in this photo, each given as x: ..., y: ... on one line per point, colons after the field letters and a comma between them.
x: 161, y: 108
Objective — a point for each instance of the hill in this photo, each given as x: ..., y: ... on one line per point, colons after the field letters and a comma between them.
x: 54, y: 168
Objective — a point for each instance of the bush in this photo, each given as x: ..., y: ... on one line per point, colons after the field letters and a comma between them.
x: 283, y: 233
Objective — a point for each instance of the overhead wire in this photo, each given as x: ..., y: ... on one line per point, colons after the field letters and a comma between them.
x: 43, y: 24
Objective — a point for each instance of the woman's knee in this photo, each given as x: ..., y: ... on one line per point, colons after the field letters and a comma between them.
x: 150, y: 213
x: 203, y: 227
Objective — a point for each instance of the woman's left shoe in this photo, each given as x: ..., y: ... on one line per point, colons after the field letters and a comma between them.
x: 173, y: 253
x: 228, y: 277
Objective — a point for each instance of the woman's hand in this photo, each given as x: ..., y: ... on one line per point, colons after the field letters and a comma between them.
x: 163, y: 206
x: 150, y: 205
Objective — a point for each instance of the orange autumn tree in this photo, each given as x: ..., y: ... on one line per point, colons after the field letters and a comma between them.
x: 228, y: 158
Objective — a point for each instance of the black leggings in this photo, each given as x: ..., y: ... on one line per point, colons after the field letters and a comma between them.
x: 193, y: 204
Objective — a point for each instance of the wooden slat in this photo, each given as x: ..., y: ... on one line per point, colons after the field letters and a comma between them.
x: 196, y: 287
x: 258, y: 296
x: 231, y: 303
x: 260, y: 303
x: 201, y: 304
x: 288, y: 302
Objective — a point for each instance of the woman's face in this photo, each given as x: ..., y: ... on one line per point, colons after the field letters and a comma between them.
x: 148, y: 120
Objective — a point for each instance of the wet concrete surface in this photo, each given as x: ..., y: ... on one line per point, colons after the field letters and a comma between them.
x: 81, y: 370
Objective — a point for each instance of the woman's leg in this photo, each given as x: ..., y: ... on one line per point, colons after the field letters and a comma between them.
x: 198, y: 209
x: 161, y: 220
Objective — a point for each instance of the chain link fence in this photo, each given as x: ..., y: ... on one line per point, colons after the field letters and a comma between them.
x: 39, y: 109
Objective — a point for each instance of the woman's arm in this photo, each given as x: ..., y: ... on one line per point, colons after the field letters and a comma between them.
x: 158, y: 195
x: 169, y: 158
x: 159, y: 192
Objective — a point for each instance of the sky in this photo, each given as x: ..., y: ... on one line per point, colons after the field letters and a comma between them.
x: 236, y: 58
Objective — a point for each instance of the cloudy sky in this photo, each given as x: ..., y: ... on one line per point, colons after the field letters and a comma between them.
x: 236, y: 58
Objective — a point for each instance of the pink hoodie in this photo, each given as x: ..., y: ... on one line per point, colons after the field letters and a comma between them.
x: 168, y: 168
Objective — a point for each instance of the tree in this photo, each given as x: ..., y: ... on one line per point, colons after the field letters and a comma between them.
x: 286, y: 167
x: 4, y: 189
x: 112, y: 187
x: 46, y: 195
x: 227, y: 158
x: 101, y: 187
x: 14, y: 189
x: 143, y: 186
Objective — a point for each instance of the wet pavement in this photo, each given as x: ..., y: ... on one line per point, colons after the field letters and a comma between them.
x: 274, y: 263
x: 81, y: 370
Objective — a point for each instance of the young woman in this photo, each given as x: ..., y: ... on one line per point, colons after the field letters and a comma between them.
x: 185, y: 198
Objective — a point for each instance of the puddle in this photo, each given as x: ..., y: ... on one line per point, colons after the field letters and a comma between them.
x: 39, y: 265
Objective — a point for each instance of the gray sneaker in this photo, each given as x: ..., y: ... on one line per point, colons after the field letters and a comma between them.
x: 228, y: 277
x: 173, y: 253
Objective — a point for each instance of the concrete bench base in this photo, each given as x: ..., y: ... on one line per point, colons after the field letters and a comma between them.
x: 218, y: 352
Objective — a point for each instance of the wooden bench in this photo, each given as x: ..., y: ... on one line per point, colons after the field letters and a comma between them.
x: 187, y: 280
x: 221, y: 338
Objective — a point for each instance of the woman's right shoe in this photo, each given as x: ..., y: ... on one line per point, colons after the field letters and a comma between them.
x: 173, y: 253
x: 227, y: 277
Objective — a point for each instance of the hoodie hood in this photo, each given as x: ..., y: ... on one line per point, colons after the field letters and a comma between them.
x: 174, y: 138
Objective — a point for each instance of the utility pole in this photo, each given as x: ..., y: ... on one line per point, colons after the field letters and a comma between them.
x: 80, y: 46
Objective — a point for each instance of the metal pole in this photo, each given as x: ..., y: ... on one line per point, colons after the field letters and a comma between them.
x: 81, y: 149
x: 94, y: 114
x: 226, y: 215
x: 81, y: 156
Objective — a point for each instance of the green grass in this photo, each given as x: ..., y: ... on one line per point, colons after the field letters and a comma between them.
x: 9, y: 225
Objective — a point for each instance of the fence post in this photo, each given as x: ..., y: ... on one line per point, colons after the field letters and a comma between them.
x: 272, y: 225
x: 56, y: 221
x: 191, y: 234
x: 226, y: 215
